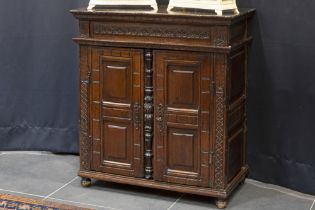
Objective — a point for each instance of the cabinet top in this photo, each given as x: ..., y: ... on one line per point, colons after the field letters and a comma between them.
x: 162, y: 15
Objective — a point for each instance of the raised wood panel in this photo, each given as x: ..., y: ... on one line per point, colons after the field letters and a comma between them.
x: 117, y: 95
x: 181, y: 147
x: 182, y: 150
x: 115, y: 142
x: 235, y: 119
x: 116, y: 69
x: 236, y: 76
x: 235, y: 154
x: 182, y: 84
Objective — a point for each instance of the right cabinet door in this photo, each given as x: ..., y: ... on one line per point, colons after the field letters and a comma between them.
x: 182, y: 104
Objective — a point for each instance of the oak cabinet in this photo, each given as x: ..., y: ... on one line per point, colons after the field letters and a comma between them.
x: 163, y: 99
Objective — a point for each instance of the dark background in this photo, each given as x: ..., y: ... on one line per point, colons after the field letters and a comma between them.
x: 39, y: 84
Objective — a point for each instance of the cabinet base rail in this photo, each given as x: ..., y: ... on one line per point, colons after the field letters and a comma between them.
x: 142, y: 182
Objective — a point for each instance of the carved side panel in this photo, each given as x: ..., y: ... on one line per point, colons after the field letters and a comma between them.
x: 148, y: 114
x: 85, y: 137
x: 220, y: 135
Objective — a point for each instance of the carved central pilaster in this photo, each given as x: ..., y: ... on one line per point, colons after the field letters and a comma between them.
x: 148, y: 114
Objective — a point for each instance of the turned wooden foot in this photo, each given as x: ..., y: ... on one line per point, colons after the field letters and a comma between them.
x: 86, y: 182
x: 221, y: 203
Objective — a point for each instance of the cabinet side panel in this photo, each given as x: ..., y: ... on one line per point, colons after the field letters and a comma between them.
x: 236, y: 114
x: 235, y: 154
x: 236, y: 76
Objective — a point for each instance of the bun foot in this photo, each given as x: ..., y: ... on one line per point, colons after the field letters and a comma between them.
x: 86, y: 182
x: 221, y: 204
x: 242, y: 182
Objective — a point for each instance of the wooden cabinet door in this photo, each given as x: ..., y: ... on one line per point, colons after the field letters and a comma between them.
x: 182, y: 101
x: 119, y: 88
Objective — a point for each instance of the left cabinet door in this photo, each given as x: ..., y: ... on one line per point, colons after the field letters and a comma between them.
x: 117, y: 97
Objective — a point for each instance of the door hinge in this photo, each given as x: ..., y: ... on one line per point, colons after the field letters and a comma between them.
x: 211, y: 157
x: 213, y: 88
x: 89, y: 77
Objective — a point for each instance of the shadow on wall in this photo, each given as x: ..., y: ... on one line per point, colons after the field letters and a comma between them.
x: 282, y: 94
x: 259, y: 102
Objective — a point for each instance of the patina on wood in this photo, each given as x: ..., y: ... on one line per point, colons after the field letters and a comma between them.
x: 163, y: 99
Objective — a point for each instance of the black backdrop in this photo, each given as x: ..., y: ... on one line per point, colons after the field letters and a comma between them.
x: 39, y: 84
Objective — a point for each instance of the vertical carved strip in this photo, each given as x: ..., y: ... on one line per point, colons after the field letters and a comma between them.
x: 136, y: 115
x: 160, y: 117
x: 219, y: 155
x: 85, y: 138
x: 148, y: 114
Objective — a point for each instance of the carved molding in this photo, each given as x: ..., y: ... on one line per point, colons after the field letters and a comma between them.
x: 219, y: 150
x: 219, y: 138
x: 150, y: 31
x: 136, y: 115
x: 85, y: 138
x: 160, y: 118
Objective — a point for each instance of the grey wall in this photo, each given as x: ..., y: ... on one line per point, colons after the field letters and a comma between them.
x: 39, y: 77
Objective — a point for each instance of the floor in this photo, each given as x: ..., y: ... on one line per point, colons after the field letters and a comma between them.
x: 52, y: 177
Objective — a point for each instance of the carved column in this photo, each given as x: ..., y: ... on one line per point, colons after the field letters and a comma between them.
x: 148, y: 114
x: 85, y: 138
x: 220, y: 101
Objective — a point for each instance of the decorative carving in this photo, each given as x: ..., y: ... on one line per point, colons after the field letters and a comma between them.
x: 219, y: 138
x: 219, y: 36
x: 161, y: 32
x: 148, y: 114
x: 136, y: 115
x: 85, y: 138
x: 219, y: 127
x: 160, y: 118
x: 219, y: 42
